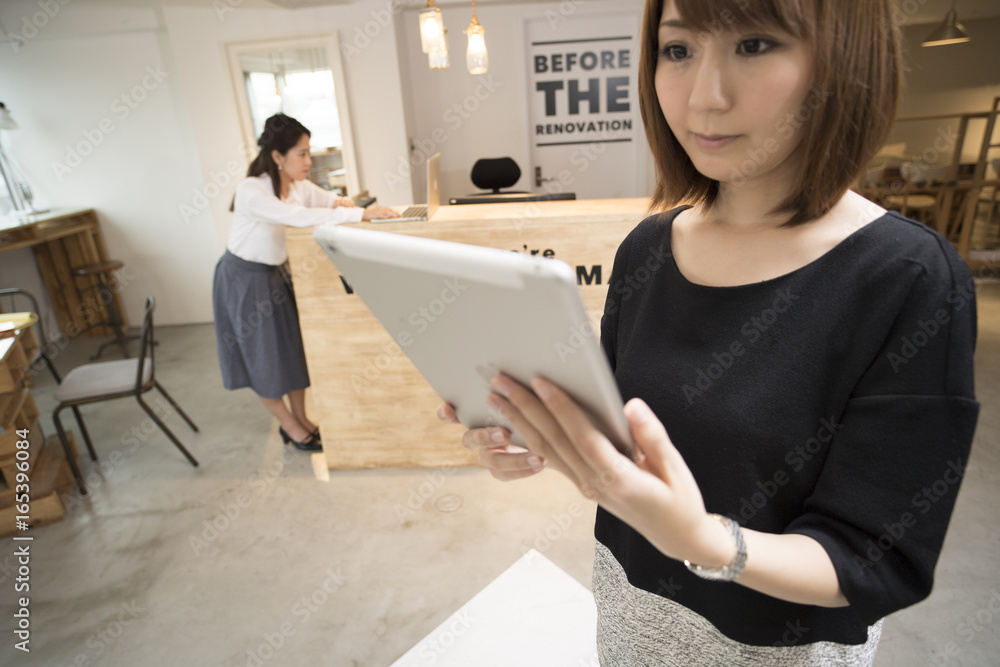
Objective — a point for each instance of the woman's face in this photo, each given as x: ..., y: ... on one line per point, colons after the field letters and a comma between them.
x: 736, y: 100
x: 296, y: 163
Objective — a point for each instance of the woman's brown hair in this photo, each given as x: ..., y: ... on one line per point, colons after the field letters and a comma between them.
x: 847, y: 115
x: 280, y: 134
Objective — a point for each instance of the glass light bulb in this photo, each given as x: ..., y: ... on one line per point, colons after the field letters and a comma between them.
x: 431, y: 30
x: 438, y: 59
x: 476, y: 58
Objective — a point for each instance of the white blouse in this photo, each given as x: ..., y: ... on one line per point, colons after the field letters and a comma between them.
x: 258, y: 231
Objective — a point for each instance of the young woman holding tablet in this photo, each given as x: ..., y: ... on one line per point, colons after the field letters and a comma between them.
x: 256, y: 319
x: 799, y: 368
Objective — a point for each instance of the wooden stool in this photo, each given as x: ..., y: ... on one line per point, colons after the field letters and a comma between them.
x: 113, y: 320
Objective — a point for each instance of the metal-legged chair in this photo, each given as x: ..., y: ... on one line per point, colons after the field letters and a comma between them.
x: 114, y: 319
x: 107, y: 380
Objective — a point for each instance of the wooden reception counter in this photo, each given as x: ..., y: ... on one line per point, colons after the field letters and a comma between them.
x: 373, y: 408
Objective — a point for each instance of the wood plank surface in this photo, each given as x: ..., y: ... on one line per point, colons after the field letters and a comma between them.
x: 62, y: 240
x: 373, y: 407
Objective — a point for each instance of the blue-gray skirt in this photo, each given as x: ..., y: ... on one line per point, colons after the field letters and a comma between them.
x: 257, y: 328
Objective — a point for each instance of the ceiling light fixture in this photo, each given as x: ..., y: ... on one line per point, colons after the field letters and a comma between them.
x: 432, y: 29
x: 949, y: 32
x: 476, y: 58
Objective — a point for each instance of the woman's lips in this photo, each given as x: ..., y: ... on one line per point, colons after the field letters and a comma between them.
x: 715, y: 142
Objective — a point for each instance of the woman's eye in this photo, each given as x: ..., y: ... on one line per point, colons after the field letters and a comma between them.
x: 755, y: 46
x: 675, y: 52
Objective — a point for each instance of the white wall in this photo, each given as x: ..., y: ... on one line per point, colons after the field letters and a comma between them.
x: 62, y: 85
x: 199, y: 36
x: 499, y: 124
x: 61, y: 82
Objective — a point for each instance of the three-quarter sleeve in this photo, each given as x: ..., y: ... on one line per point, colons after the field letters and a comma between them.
x: 265, y: 207
x: 883, y: 500
x: 315, y: 196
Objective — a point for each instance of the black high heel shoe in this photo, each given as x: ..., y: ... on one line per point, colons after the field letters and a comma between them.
x: 310, y: 444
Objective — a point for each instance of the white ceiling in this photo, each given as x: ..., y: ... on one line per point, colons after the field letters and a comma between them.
x: 927, y: 11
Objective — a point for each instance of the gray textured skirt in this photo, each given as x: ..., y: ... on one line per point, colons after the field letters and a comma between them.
x: 257, y: 328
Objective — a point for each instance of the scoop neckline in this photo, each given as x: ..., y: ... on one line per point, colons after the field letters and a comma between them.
x: 770, y: 281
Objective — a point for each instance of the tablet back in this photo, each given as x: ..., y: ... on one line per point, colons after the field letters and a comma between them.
x: 464, y: 313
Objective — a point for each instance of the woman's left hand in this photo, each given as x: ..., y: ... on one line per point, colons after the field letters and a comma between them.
x: 346, y: 202
x: 656, y: 494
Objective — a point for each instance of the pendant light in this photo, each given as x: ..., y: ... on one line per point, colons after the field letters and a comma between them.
x: 949, y: 32
x: 439, y: 59
x: 476, y: 58
x: 432, y: 29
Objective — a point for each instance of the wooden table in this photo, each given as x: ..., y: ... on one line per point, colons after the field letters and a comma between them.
x: 64, y: 239
x: 373, y: 408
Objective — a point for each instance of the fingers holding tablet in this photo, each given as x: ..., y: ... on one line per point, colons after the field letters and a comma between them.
x: 505, y: 461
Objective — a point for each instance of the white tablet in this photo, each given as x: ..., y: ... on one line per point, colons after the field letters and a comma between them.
x: 465, y: 313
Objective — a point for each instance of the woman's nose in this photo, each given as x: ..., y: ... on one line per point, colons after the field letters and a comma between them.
x: 709, y: 91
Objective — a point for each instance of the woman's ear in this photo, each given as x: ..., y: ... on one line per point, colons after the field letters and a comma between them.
x: 276, y: 157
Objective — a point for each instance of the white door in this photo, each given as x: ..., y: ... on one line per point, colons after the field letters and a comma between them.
x: 586, y: 130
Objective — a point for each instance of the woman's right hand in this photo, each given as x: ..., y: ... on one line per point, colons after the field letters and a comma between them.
x: 504, y: 460
x: 378, y: 213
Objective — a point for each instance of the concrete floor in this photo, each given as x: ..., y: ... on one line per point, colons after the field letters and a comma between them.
x: 166, y: 564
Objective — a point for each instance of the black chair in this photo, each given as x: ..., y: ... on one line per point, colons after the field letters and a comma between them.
x: 107, y: 380
x: 105, y: 295
x: 494, y: 174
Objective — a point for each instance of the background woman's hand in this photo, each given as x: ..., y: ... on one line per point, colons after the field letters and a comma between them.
x: 346, y: 202
x: 379, y: 213
x: 504, y: 460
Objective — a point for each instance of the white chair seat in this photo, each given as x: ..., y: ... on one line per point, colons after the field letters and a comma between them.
x: 100, y: 379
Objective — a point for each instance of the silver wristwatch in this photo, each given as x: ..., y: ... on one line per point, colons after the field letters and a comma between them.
x: 734, y: 569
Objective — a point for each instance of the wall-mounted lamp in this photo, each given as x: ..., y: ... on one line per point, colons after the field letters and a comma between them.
x: 439, y: 59
x: 949, y: 32
x: 432, y: 29
x: 476, y: 58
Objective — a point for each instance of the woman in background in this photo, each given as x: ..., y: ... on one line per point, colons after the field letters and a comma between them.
x: 256, y: 318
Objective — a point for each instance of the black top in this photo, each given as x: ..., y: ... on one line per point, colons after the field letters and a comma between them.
x: 835, y: 401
